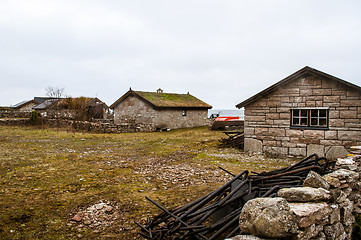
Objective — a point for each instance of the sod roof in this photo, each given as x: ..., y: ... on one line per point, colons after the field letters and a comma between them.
x: 165, y: 100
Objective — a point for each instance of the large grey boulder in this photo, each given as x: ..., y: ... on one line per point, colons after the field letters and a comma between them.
x: 304, y: 194
x: 268, y: 217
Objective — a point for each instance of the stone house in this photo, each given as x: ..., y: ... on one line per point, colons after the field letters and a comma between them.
x: 25, y: 106
x: 158, y: 110
x: 79, y: 108
x: 307, y: 112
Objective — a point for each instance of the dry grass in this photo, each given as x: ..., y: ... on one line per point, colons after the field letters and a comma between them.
x: 47, y: 176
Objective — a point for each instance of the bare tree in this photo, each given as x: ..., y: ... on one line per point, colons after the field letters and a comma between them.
x: 54, y: 92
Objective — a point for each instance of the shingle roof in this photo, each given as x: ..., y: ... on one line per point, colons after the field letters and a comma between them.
x: 300, y: 73
x: 165, y: 100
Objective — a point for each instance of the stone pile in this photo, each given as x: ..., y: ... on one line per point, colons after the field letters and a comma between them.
x: 98, y: 216
x: 322, y: 209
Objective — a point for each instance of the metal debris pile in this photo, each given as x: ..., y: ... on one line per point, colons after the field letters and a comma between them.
x: 215, y: 215
x: 234, y: 139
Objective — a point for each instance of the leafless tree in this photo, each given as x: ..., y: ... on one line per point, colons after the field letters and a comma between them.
x: 55, y: 92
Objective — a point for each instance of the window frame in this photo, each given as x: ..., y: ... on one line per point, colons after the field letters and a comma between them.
x: 309, y: 118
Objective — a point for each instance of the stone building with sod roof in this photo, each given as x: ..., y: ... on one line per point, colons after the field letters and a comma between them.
x: 159, y: 110
x: 307, y: 112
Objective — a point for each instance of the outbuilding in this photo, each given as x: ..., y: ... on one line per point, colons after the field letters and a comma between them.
x: 159, y: 110
x: 307, y: 112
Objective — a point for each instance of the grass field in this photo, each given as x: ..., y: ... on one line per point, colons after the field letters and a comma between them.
x: 48, y: 176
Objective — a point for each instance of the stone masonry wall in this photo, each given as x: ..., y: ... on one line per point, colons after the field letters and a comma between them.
x: 267, y: 120
x: 323, y: 209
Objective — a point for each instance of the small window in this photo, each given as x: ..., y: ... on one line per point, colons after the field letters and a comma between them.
x: 184, y: 112
x: 309, y: 118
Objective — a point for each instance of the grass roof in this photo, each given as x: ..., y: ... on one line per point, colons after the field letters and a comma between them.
x: 172, y: 99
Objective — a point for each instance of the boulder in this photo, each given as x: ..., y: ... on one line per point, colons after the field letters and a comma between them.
x: 310, y: 213
x: 315, y: 180
x: 304, y: 194
x: 268, y: 217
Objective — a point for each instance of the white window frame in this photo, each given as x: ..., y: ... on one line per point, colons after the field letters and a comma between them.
x: 305, y: 118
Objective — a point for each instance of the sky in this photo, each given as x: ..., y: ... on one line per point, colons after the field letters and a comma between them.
x: 222, y: 52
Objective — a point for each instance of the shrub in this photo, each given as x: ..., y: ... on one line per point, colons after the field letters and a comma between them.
x: 35, y: 118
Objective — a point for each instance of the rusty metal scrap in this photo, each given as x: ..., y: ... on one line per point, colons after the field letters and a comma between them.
x: 234, y: 139
x: 215, y: 215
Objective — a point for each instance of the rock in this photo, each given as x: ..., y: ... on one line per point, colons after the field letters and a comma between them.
x: 304, y: 194
x: 315, y: 180
x: 320, y: 236
x: 87, y: 222
x: 246, y: 237
x: 342, y: 174
x: 99, y: 206
x: 310, y: 232
x: 77, y: 218
x: 345, y: 161
x: 334, y: 182
x: 309, y: 213
x: 335, y: 215
x: 267, y: 217
x: 108, y: 208
x: 338, y: 195
x: 336, y: 151
x: 334, y: 231
x: 346, y: 213
x: 91, y: 209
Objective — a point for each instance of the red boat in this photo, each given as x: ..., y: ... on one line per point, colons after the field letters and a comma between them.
x: 227, y: 123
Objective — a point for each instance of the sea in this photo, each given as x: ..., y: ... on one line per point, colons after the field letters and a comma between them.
x: 227, y: 112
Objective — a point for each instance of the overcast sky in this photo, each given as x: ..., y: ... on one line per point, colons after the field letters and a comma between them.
x: 220, y: 51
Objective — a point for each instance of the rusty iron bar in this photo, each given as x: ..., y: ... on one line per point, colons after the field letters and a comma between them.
x: 175, y: 217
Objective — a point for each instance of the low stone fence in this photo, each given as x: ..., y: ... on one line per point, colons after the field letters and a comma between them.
x: 99, y: 126
x: 322, y: 209
x: 96, y: 126
x: 13, y: 113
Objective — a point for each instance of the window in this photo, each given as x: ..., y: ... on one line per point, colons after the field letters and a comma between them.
x: 184, y: 112
x: 309, y: 118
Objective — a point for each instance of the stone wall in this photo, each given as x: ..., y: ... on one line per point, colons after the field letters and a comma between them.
x: 99, y: 126
x: 14, y: 121
x: 143, y: 113
x: 322, y: 209
x: 13, y: 113
x: 267, y: 120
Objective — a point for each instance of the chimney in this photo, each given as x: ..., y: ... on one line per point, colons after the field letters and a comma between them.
x: 159, y: 90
